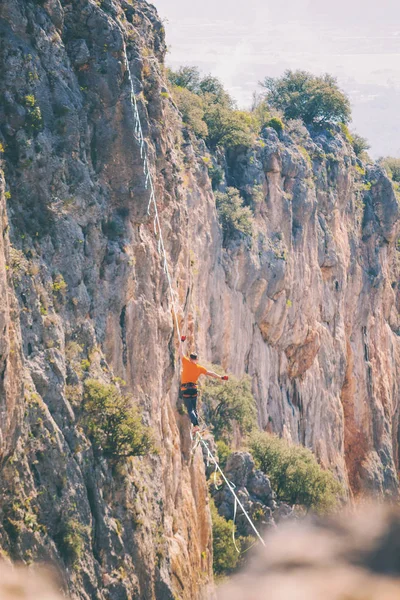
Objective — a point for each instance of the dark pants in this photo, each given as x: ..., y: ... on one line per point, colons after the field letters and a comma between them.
x: 189, y: 395
x: 190, y: 404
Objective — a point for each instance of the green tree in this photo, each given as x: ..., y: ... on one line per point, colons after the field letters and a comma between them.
x: 113, y: 422
x: 191, y: 108
x: 216, y: 174
x: 313, y: 99
x: 360, y: 144
x: 208, y: 86
x: 229, y: 128
x: 261, y: 110
x: 228, y: 403
x: 295, y: 474
x: 235, y: 218
x: 71, y: 540
x: 214, y: 92
x: 205, y: 100
x: 391, y: 166
x: 185, y: 77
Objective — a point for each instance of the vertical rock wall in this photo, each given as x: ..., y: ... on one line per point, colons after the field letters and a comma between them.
x: 11, y: 376
x: 309, y: 307
x: 93, y: 303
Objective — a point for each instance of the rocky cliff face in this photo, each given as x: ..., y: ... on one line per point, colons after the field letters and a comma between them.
x: 11, y: 385
x: 309, y: 308
x: 315, y: 304
x: 311, y: 311
x: 92, y: 302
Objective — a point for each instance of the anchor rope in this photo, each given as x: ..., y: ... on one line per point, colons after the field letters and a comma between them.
x: 231, y: 488
x: 149, y: 184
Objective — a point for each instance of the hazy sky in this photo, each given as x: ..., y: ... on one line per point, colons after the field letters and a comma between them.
x: 358, y: 41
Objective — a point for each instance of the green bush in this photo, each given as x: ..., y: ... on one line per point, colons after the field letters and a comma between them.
x: 229, y: 128
x: 34, y: 118
x: 261, y: 110
x: 223, y: 452
x: 276, y: 123
x: 85, y: 364
x: 185, y: 77
x: 113, y: 423
x: 295, y: 474
x: 235, y: 218
x: 59, y: 284
x: 225, y: 556
x: 314, y: 100
x: 346, y: 132
x: 191, y: 108
x: 360, y: 144
x: 30, y: 100
x: 391, y: 166
x: 227, y: 403
x: 209, y: 110
x: 71, y: 541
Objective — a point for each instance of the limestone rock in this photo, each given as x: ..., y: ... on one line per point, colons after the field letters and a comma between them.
x: 11, y: 379
x: 309, y: 308
x: 253, y: 489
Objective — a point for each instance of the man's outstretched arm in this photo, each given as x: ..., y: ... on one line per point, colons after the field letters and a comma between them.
x: 216, y: 376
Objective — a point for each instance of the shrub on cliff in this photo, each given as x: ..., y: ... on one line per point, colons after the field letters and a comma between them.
x: 192, y: 110
x: 185, y: 77
x: 209, y: 110
x: 113, y: 423
x: 313, y: 99
x: 391, y: 166
x: 295, y: 474
x: 261, y: 110
x: 229, y: 128
x: 228, y: 403
x: 360, y: 144
x: 208, y: 87
x: 71, y: 540
x: 225, y: 556
x: 276, y: 123
x: 235, y: 219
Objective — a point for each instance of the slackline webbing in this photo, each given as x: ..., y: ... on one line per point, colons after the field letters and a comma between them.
x: 149, y: 184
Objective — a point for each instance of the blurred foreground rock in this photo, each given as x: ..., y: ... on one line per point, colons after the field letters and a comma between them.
x: 355, y: 557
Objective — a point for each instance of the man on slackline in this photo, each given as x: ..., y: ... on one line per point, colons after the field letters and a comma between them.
x: 191, y: 371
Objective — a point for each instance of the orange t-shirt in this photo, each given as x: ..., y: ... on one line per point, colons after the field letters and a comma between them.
x: 190, y: 371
